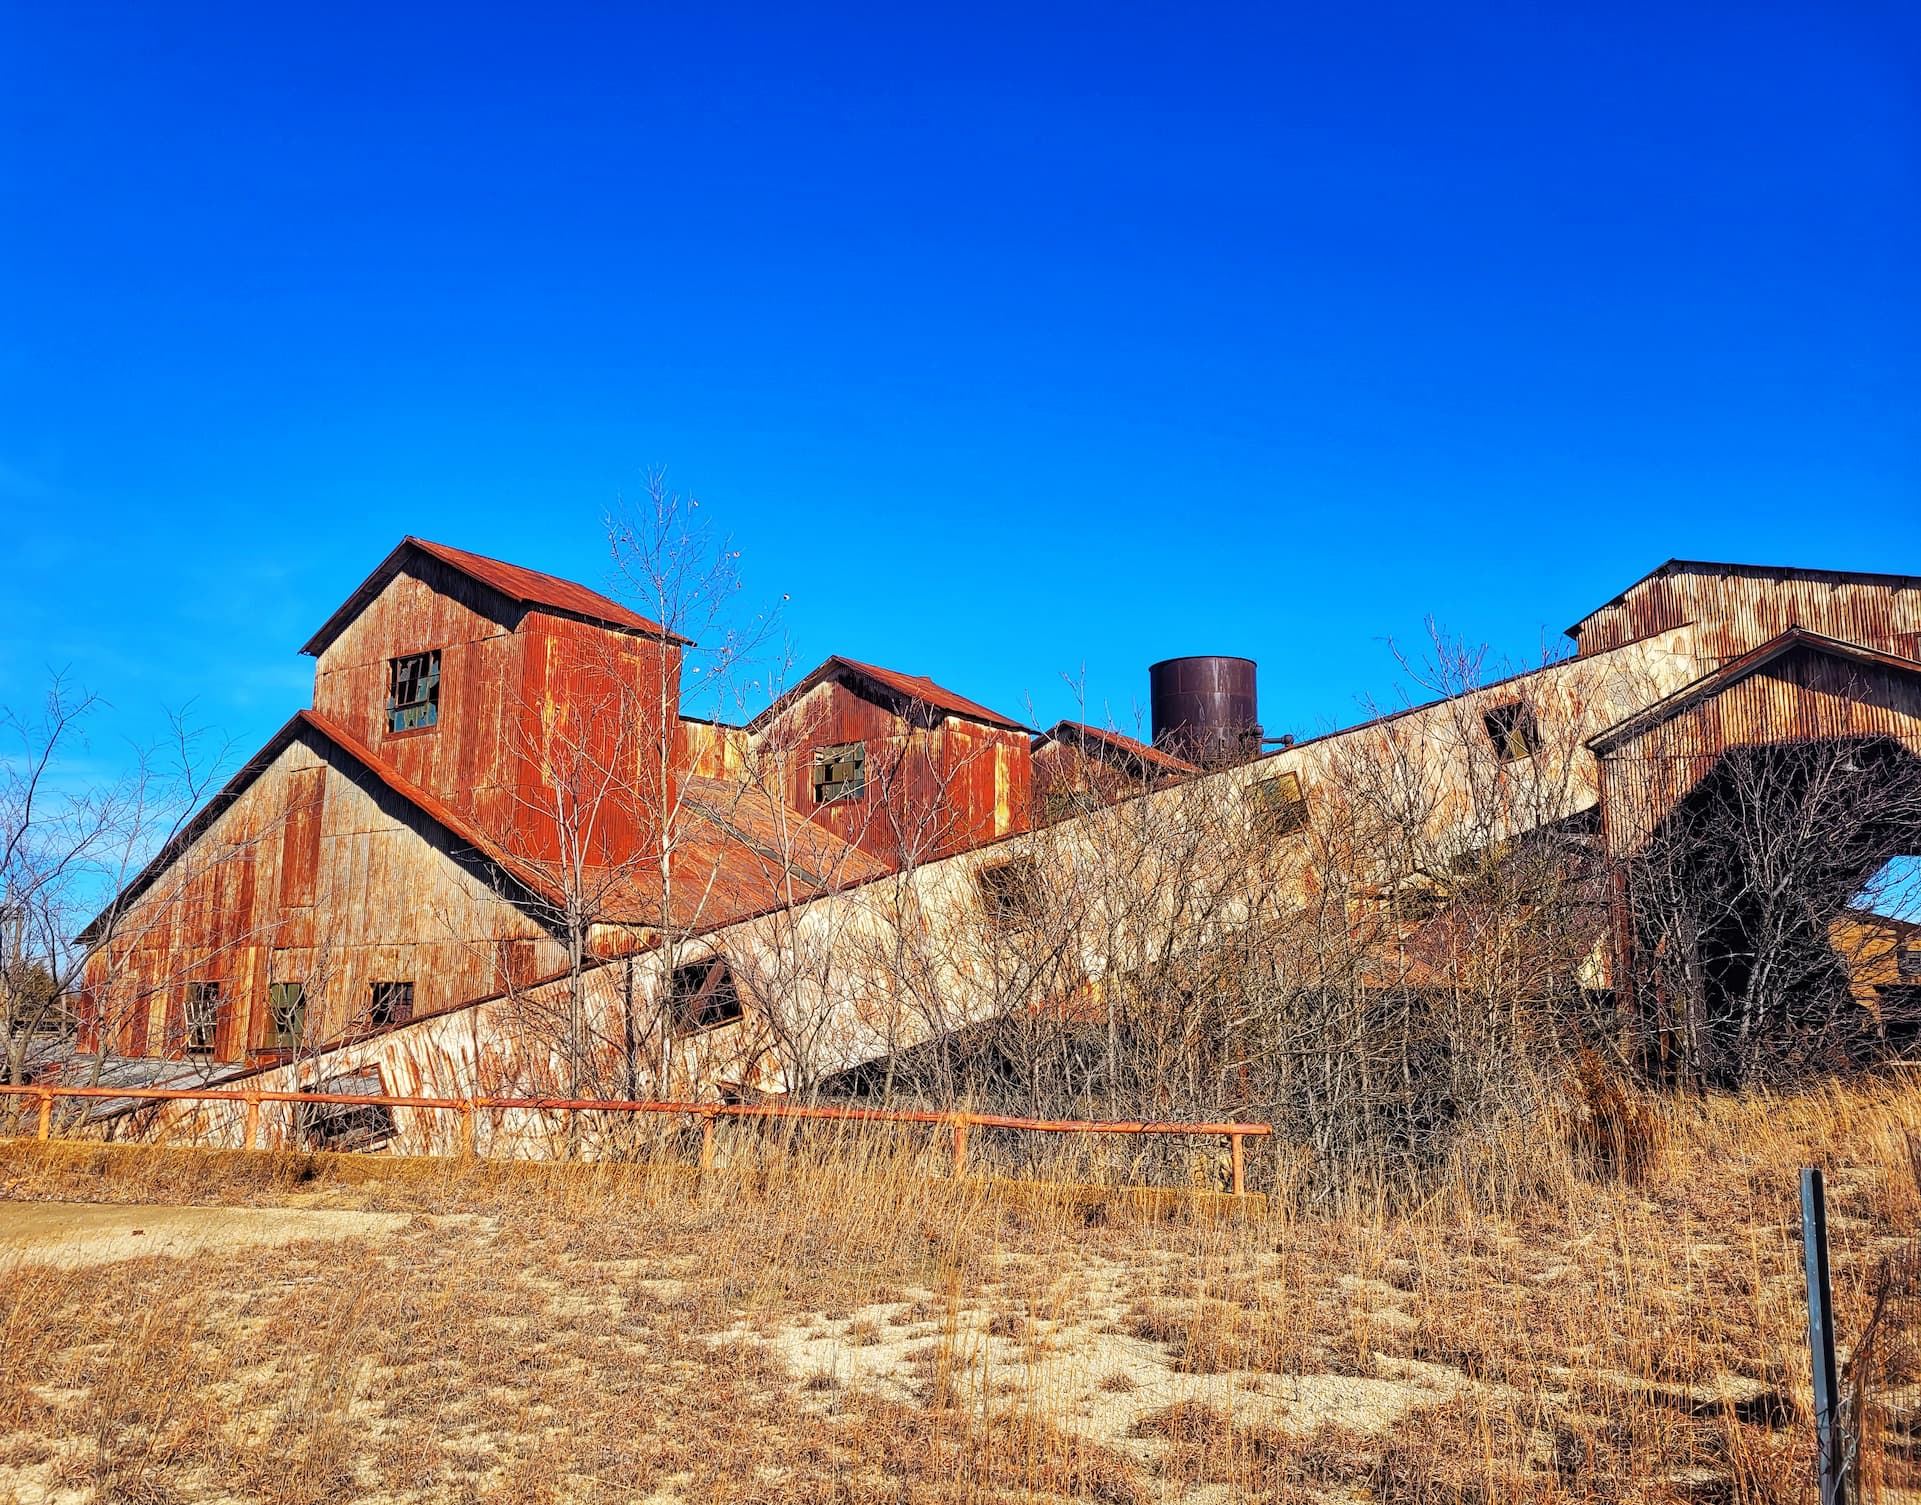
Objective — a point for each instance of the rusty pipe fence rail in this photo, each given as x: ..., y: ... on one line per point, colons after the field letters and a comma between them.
x: 959, y: 1120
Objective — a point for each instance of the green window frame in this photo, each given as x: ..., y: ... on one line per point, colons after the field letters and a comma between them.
x: 286, y: 1015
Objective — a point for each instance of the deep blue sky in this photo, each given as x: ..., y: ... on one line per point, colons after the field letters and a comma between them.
x: 1003, y: 343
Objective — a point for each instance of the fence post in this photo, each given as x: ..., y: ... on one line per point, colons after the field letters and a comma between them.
x: 1814, y: 1239
x: 46, y: 1115
x: 707, y: 1141
x: 252, y: 1131
x: 1240, y: 1166
x: 960, y: 1145
x: 468, y: 1142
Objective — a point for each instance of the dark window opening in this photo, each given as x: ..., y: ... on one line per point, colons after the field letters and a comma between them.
x: 1901, y: 1016
x: 704, y: 997
x: 1907, y: 961
x: 840, y: 771
x: 1512, y: 730
x: 1062, y: 804
x: 286, y: 1015
x: 203, y: 1017
x: 349, y: 1126
x: 1010, y: 891
x: 413, y: 691
x: 391, y: 1003
x: 1278, y: 804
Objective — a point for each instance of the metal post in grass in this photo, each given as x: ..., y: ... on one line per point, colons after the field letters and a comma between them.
x: 1827, y: 1389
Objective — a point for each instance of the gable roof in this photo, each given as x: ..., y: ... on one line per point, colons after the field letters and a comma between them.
x: 524, y: 874
x: 1761, y: 571
x: 1710, y: 685
x: 891, y: 682
x: 516, y: 582
x: 1096, y: 740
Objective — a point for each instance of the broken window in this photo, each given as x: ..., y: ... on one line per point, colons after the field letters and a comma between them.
x: 840, y: 771
x: 413, y: 691
x: 1512, y: 730
x: 391, y: 1003
x: 704, y: 997
x: 349, y: 1126
x: 1010, y: 891
x: 1278, y: 804
x: 286, y: 1015
x: 203, y: 1017
x: 1907, y: 961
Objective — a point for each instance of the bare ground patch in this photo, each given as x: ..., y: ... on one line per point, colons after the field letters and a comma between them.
x: 426, y: 1333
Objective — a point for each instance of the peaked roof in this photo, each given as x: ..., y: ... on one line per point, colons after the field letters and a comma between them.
x: 516, y: 582
x: 916, y: 687
x: 1097, y: 739
x: 1710, y: 685
x: 1778, y: 571
x: 457, y: 825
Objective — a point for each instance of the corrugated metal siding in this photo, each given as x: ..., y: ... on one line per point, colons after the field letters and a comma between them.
x: 504, y: 690
x: 930, y: 791
x: 1804, y: 696
x: 385, y: 901
x: 1736, y: 612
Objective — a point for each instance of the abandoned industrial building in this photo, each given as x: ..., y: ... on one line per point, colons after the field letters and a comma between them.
x: 494, y: 854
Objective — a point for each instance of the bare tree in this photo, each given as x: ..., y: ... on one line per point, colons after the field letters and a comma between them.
x: 71, y: 840
x: 1738, y: 901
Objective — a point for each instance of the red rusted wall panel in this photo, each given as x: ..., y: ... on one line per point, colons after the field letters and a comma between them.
x: 931, y: 791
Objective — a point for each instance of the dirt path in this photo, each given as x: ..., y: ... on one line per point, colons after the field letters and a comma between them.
x: 71, y: 1234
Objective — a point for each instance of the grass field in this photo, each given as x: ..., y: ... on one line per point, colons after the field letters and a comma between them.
x: 852, y: 1330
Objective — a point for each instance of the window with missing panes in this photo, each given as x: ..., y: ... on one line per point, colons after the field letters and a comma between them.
x: 286, y: 1015
x: 1512, y: 730
x: 413, y: 691
x: 840, y: 771
x: 391, y: 1003
x: 203, y: 1017
x: 704, y: 997
x: 1010, y: 891
x: 1278, y: 804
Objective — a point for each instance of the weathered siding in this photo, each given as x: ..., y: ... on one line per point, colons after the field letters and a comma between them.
x: 1738, y: 609
x: 533, y: 705
x: 1803, y: 696
x: 317, y: 874
x: 932, y: 789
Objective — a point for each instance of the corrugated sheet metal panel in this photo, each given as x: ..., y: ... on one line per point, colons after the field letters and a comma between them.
x: 930, y: 791
x: 1803, y: 696
x: 387, y: 902
x: 891, y: 682
x: 1737, y: 608
x: 516, y: 583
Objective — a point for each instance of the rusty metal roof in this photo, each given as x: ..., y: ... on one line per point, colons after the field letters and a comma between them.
x: 916, y: 687
x: 516, y: 582
x: 1095, y: 740
x: 744, y: 853
x: 1729, y: 673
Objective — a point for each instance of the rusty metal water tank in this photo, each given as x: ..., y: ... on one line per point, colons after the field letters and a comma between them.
x: 1205, y: 709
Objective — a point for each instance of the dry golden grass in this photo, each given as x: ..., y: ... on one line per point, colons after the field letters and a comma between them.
x: 852, y: 1330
